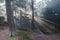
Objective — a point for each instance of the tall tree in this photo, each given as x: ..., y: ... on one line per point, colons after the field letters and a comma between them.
x: 10, y: 17
x: 32, y: 6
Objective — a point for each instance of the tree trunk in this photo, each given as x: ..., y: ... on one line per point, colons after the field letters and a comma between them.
x: 32, y: 23
x: 10, y: 17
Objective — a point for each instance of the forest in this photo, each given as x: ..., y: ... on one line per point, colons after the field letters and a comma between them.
x: 29, y: 19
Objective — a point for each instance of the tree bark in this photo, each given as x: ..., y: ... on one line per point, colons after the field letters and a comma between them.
x: 10, y: 17
x: 32, y: 14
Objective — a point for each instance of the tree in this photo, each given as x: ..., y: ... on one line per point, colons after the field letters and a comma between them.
x: 32, y: 6
x: 10, y: 17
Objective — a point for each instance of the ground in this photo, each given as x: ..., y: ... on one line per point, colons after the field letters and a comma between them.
x: 40, y: 36
x: 36, y: 35
x: 3, y: 32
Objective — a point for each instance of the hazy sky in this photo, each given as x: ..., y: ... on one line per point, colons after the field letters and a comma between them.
x: 2, y: 2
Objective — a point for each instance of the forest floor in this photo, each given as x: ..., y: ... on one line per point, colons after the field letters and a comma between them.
x: 3, y: 32
x: 36, y: 35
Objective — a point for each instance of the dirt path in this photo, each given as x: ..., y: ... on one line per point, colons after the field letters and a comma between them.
x: 3, y: 32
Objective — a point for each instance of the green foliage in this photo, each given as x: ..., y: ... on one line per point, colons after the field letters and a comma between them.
x: 1, y: 19
x: 10, y: 37
x: 21, y: 3
x: 24, y: 35
x: 23, y: 29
